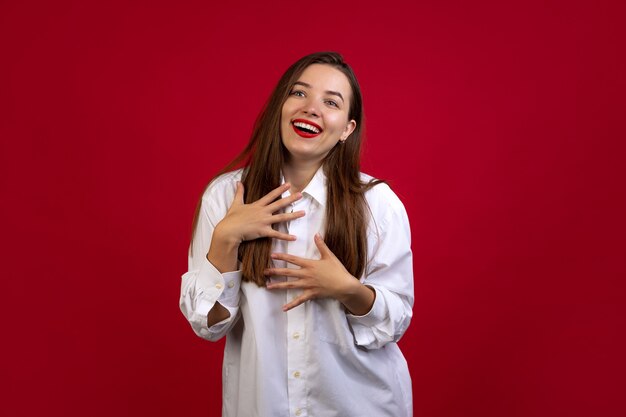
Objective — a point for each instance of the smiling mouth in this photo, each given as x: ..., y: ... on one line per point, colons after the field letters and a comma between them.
x: 305, y: 129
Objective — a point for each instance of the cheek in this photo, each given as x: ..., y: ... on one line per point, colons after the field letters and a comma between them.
x: 289, y: 107
x: 338, y: 123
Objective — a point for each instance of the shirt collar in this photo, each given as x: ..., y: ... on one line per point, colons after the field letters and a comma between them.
x: 316, y: 188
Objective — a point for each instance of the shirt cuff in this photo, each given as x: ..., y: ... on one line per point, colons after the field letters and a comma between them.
x: 212, y: 286
x: 377, y: 313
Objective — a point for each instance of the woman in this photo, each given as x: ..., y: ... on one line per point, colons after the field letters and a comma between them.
x: 303, y: 262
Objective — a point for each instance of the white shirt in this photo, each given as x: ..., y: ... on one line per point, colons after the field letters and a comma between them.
x: 314, y: 360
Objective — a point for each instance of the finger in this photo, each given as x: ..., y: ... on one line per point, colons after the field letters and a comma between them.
x: 285, y: 217
x: 321, y: 246
x: 285, y: 272
x: 284, y: 202
x: 295, y: 260
x: 274, y: 194
x: 238, y: 199
x: 281, y: 236
x: 296, y: 302
x: 283, y: 285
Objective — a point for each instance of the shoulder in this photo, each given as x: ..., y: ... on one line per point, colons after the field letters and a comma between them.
x: 383, y: 202
x: 222, y: 185
x: 381, y: 194
x: 219, y: 194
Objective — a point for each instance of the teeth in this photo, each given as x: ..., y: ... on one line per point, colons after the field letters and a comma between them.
x: 307, y: 126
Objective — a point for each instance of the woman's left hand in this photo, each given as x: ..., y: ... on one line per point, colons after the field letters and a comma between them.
x: 323, y: 278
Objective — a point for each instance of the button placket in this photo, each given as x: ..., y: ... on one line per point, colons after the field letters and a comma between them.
x: 296, y: 348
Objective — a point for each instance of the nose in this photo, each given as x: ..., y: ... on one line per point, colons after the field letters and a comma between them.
x: 311, y: 109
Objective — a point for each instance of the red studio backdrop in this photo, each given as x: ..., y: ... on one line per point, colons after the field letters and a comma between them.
x: 499, y: 124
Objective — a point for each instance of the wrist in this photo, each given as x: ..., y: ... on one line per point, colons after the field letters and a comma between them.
x: 350, y: 289
x: 224, y: 238
x: 223, y: 252
x: 358, y: 298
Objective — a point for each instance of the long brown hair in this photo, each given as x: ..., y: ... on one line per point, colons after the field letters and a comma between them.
x: 265, y: 154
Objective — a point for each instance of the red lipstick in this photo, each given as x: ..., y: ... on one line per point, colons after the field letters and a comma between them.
x: 306, y: 128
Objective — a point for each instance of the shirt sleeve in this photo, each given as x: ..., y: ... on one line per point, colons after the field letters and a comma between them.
x: 390, y: 274
x: 203, y: 285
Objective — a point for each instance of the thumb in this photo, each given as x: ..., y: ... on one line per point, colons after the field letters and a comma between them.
x: 321, y: 246
x: 238, y: 194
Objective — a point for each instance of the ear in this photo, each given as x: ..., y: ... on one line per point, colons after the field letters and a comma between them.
x: 348, y: 130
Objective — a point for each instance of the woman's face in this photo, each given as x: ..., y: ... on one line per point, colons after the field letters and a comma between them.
x: 315, y: 114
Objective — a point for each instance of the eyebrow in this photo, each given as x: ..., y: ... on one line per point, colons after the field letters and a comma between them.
x: 334, y: 93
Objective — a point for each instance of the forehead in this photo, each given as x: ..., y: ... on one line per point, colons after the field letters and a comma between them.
x: 324, y: 77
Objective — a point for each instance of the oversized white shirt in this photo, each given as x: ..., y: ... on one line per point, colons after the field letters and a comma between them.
x: 315, y: 359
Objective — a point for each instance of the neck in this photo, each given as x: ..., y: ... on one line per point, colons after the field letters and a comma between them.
x: 299, y: 175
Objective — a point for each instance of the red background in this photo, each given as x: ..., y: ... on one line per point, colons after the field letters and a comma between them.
x: 499, y: 124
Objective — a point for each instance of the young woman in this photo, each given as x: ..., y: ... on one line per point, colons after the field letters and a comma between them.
x: 303, y: 262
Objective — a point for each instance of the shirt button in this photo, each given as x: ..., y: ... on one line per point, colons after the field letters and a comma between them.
x: 296, y: 335
x: 296, y: 374
x: 298, y: 412
x: 218, y: 286
x: 231, y: 284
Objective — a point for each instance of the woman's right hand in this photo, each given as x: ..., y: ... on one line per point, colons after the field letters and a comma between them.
x: 252, y: 221
x: 248, y: 222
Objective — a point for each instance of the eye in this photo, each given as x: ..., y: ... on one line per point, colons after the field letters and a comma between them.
x: 298, y: 93
x: 332, y: 103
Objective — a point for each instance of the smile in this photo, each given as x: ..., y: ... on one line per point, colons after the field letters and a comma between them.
x: 305, y: 128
